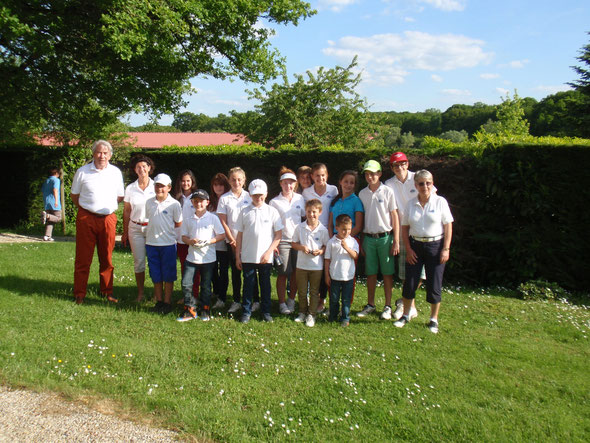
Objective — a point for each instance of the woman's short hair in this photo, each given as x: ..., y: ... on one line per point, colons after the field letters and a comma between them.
x: 423, y: 173
x: 142, y: 158
x: 98, y: 143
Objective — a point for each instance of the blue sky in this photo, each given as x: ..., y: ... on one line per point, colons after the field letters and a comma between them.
x: 420, y: 54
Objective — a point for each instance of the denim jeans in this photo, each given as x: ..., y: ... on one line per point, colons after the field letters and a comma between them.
x: 206, y: 270
x: 250, y: 270
x: 338, y: 287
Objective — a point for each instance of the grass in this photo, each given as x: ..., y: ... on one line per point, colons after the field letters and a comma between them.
x: 501, y: 369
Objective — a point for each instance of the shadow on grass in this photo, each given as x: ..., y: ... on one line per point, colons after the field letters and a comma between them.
x: 46, y: 288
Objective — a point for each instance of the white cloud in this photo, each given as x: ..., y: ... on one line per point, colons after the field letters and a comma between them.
x: 553, y: 89
x: 436, y: 78
x: 409, y: 19
x: 457, y: 92
x: 446, y: 5
x: 503, y: 91
x: 335, y: 5
x: 388, y: 58
x: 489, y: 76
x: 516, y: 64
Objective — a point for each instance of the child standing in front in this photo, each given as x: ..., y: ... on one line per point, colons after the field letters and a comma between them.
x: 259, y: 233
x: 164, y: 214
x: 381, y: 236
x: 325, y: 193
x: 341, y: 252
x: 199, y: 231
x: 309, y: 239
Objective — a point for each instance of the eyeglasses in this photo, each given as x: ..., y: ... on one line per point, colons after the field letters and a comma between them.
x: 399, y: 164
x: 425, y: 184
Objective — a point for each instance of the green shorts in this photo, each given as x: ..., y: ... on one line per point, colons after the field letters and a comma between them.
x: 377, y: 255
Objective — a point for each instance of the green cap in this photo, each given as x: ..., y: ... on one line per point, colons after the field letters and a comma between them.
x: 372, y: 166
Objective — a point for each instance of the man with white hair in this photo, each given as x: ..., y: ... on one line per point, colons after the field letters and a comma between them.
x: 97, y: 189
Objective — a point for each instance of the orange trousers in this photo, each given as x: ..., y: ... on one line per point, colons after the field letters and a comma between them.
x: 94, y: 231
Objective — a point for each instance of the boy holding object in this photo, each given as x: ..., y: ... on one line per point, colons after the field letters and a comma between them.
x: 201, y: 231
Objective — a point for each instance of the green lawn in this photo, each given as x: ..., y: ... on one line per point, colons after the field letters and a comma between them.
x: 501, y: 369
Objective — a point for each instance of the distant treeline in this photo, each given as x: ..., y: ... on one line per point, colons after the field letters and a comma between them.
x: 561, y: 114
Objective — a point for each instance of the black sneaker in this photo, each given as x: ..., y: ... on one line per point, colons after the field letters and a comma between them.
x: 158, y: 307
x: 166, y: 308
x: 433, y: 326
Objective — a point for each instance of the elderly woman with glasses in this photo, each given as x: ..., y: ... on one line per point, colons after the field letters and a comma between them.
x: 427, y: 229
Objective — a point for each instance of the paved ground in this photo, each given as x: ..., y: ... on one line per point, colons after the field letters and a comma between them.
x: 44, y: 417
x: 41, y: 417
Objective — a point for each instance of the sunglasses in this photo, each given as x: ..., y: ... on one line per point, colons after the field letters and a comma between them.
x: 425, y: 184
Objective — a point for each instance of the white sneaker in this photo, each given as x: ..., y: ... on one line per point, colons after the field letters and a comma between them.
x: 284, y: 309
x: 386, y: 314
x: 235, y: 307
x: 219, y: 304
x: 413, y: 313
x: 433, y: 327
x: 368, y: 309
x: 255, y: 306
x: 45, y: 238
x: 291, y: 304
x: 309, y: 321
x: 300, y: 318
x: 399, y: 310
x: 401, y: 322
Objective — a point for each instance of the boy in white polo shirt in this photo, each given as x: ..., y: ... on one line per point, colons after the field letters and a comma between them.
x: 164, y: 214
x: 259, y: 233
x: 341, y: 252
x: 309, y: 240
x: 200, y: 231
x: 379, y: 245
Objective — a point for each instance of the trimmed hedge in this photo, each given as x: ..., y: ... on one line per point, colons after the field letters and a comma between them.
x: 516, y: 209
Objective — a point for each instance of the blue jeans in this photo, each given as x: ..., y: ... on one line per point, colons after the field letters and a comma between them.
x: 250, y: 270
x: 338, y: 287
x: 206, y: 270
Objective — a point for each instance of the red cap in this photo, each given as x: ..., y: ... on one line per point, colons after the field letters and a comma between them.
x: 398, y: 157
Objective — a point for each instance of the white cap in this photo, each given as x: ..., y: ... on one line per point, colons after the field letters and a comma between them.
x: 257, y: 187
x: 288, y: 176
x: 162, y: 179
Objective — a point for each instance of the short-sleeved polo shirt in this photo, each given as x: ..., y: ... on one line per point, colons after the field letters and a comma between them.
x: 314, y: 239
x: 258, y: 226
x: 378, y: 206
x: 291, y: 213
x: 162, y: 216
x: 98, y: 189
x: 137, y: 197
x: 427, y: 221
x: 203, y: 228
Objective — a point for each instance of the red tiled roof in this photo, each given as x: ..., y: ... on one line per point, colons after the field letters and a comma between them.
x: 156, y: 140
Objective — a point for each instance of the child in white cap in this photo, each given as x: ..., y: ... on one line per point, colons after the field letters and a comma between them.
x: 164, y: 214
x: 259, y: 233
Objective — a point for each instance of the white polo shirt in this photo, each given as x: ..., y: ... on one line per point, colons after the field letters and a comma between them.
x: 378, y: 206
x: 313, y: 239
x: 203, y: 228
x: 162, y: 216
x: 427, y: 221
x: 258, y: 227
x: 98, y: 189
x: 188, y: 210
x: 342, y: 266
x: 405, y: 191
x: 231, y: 206
x: 326, y: 198
x: 137, y: 197
x: 291, y: 212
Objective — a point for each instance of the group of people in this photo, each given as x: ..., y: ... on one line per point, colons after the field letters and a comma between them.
x: 312, y: 232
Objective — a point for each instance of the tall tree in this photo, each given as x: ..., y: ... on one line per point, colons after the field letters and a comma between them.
x: 71, y: 65
x: 583, y: 85
x: 320, y: 110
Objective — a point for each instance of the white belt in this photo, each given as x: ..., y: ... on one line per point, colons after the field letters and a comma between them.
x: 428, y: 239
